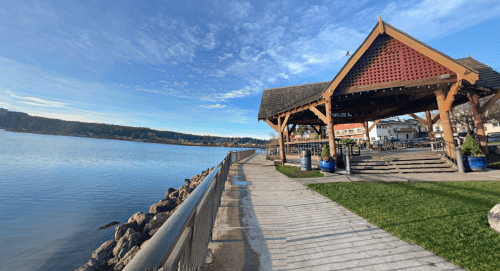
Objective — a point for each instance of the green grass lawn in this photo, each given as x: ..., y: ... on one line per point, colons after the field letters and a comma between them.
x: 296, y: 172
x: 447, y: 218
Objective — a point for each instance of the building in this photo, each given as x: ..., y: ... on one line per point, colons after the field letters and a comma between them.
x: 395, y: 128
x: 354, y: 131
x: 493, y: 127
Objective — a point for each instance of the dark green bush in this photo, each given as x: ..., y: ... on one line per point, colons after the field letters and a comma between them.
x: 325, y: 153
x: 470, y: 147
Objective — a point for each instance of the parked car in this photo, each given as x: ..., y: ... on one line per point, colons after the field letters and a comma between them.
x: 494, y: 137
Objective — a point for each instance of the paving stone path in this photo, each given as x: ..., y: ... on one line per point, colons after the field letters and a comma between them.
x: 270, y: 222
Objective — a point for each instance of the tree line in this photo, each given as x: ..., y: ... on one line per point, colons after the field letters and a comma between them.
x: 22, y: 122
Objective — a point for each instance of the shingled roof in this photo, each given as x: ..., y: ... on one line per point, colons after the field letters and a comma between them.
x: 275, y: 100
x: 278, y: 100
x: 487, y: 76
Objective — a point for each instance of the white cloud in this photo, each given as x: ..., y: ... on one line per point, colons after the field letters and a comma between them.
x: 213, y: 106
x: 225, y: 56
x: 438, y: 18
x: 217, y: 73
x: 240, y: 9
x: 238, y: 93
x: 38, y: 101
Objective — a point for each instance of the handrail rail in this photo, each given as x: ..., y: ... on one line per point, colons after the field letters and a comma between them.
x: 185, y: 235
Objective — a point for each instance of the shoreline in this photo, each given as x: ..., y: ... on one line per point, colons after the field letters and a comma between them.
x: 133, y: 140
x: 132, y: 235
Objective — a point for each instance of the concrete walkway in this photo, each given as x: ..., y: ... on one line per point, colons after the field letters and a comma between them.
x: 268, y: 221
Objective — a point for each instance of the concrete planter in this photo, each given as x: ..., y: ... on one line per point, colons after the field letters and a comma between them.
x: 327, y: 165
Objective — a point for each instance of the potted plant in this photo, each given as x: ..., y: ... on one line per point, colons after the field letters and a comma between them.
x: 327, y: 162
x: 474, y: 159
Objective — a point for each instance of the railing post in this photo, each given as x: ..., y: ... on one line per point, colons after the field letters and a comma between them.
x: 460, y: 161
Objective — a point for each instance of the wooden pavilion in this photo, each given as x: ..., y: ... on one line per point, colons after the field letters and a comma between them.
x: 390, y: 74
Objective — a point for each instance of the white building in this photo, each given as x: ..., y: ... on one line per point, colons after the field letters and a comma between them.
x: 395, y: 128
x: 493, y: 127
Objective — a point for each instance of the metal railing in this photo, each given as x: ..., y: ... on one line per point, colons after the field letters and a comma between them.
x: 445, y: 148
x: 181, y: 242
x: 315, y: 146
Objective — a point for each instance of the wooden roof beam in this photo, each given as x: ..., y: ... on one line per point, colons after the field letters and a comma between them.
x: 350, y: 63
x: 489, y: 103
x: 307, y: 122
x: 373, y: 125
x: 451, y: 95
x: 300, y: 108
x: 318, y: 113
x: 274, y: 126
x: 436, y: 118
x: 284, y: 123
x: 315, y: 129
x: 421, y: 120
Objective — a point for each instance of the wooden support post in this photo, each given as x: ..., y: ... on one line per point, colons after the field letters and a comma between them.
x: 478, y: 122
x: 331, y: 132
x: 446, y: 123
x: 367, y: 135
x: 282, y: 145
x: 429, y: 125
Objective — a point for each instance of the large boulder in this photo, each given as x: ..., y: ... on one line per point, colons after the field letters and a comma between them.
x: 126, y: 259
x: 103, y: 254
x: 173, y: 195
x: 494, y: 217
x: 193, y: 185
x: 152, y: 227
x: 140, y: 219
x: 195, y: 178
x: 130, y: 239
x: 163, y: 206
x: 122, y: 229
x: 89, y: 266
x: 187, y: 187
x: 169, y: 191
x: 112, y: 263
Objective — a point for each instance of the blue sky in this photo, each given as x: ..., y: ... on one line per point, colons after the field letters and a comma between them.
x: 200, y: 67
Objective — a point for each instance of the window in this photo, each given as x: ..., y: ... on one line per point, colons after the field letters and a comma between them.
x: 496, y: 124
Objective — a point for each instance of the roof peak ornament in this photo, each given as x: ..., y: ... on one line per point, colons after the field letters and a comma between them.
x: 381, y: 25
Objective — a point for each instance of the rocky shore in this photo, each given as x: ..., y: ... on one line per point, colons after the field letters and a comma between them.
x: 131, y: 236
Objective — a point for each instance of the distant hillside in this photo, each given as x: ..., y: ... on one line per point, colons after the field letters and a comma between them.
x: 22, y: 122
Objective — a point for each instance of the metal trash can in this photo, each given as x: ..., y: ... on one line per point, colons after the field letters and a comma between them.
x: 305, y: 160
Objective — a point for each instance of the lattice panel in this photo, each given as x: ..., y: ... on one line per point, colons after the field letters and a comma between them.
x: 389, y: 60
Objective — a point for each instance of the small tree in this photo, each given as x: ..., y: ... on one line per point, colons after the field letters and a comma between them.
x: 325, y: 154
x: 470, y: 147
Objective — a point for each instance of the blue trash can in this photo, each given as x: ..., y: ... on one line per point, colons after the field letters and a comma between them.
x: 305, y: 160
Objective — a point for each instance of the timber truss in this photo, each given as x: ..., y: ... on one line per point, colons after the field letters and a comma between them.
x: 390, y: 74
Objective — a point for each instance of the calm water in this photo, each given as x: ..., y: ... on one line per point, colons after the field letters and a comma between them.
x: 56, y: 191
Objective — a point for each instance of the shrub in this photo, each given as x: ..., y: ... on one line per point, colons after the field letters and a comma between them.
x: 347, y: 140
x: 470, y: 147
x: 325, y: 154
